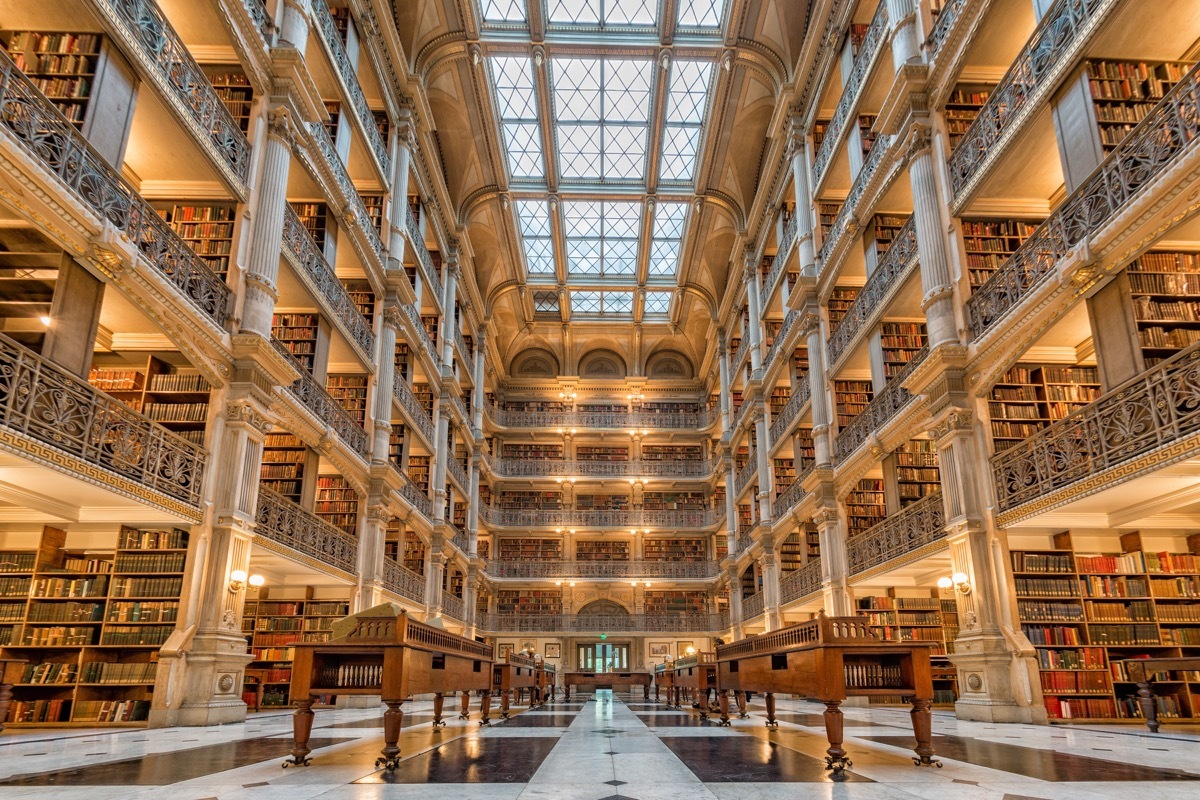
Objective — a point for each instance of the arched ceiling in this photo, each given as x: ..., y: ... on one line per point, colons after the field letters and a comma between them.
x: 601, y: 155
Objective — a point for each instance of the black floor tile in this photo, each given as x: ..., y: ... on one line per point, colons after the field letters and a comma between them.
x: 473, y: 760
x: 736, y: 759
x: 536, y: 721
x: 377, y: 722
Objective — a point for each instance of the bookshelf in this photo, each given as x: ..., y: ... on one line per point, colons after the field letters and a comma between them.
x: 751, y: 583
x: 676, y: 602
x: 792, y: 553
x: 865, y: 506
x: 779, y: 398
x: 840, y: 301
x: 530, y: 501
x: 337, y: 503
x: 900, y: 341
x: 808, y: 450
x: 675, y: 550
x: 314, y: 218
x: 867, y: 132
x: 363, y: 298
x: 529, y: 601
x: 174, y: 396
x: 401, y: 359
x: 298, y: 334
x: 826, y: 216
x: 667, y: 407
x: 921, y: 619
x: 886, y: 227
x: 672, y: 452
x: 1123, y: 92
x: 396, y: 444
x: 602, y: 550
x: 963, y: 106
x: 671, y: 501
x: 207, y: 229
x: 785, y: 474
x: 851, y: 398
x: 424, y: 396
x: 418, y: 471
x: 90, y: 624
x: 1030, y: 396
x: 234, y: 90
x: 271, y: 626
x: 598, y: 453
x: 602, y: 502
x: 1086, y: 611
x: 351, y: 393
x: 1165, y: 289
x: 820, y: 127
x: 533, y: 405
x: 812, y: 540
x: 283, y: 461
x: 334, y: 109
x: 373, y: 203
x: 917, y: 473
x: 62, y: 65
x: 988, y: 243
x: 517, y: 549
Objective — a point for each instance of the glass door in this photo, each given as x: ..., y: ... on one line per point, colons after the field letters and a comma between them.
x: 604, y: 657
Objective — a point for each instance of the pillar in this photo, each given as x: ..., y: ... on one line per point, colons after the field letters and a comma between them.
x: 469, y: 591
x: 385, y: 373
x: 735, y: 600
x: 437, y: 473
x: 398, y: 211
x: 266, y: 242
x: 372, y: 535
x: 750, y: 280
x: 448, y: 322
x: 768, y: 565
x: 766, y: 476
x: 834, y: 563
x: 726, y: 403
x: 805, y: 246
x: 936, y: 287
x: 821, y: 419
x: 478, y: 378
x: 435, y: 570
x: 902, y: 17
x: 473, y: 506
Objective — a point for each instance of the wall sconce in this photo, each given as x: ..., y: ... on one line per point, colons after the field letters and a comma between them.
x: 238, y: 580
x: 46, y: 321
x: 958, y: 580
x: 691, y: 651
x: 647, y: 584
x: 633, y: 584
x: 572, y: 584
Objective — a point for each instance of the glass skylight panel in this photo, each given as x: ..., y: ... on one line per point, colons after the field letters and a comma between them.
x: 666, y: 239
x: 701, y: 13
x: 618, y: 302
x: 516, y: 105
x: 576, y: 11
x: 658, y: 302
x: 533, y: 219
x: 602, y: 237
x: 603, y: 12
x: 602, y: 109
x: 602, y: 302
x: 686, y: 101
x: 545, y: 302
x: 504, y: 10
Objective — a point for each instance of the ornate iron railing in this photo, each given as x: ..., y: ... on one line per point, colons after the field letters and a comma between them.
x: 313, y: 396
x: 45, y: 135
x: 743, y: 348
x: 788, y: 499
x: 753, y: 606
x: 635, y: 420
x: 458, y: 473
x: 61, y: 411
x: 604, y: 623
x: 603, y: 569
x: 785, y: 330
x: 872, y: 44
x: 747, y: 472
x: 801, y: 582
x: 168, y: 59
x: 745, y: 540
x: 286, y: 523
x: 784, y: 419
x: 461, y: 407
x: 424, y: 338
x: 452, y: 606
x: 320, y: 278
x: 460, y: 540
x: 403, y: 581
x: 403, y: 394
x: 1053, y: 48
x: 949, y: 14
x: 537, y: 467
x: 413, y: 493
x: 887, y: 404
x: 357, y: 213
x: 463, y: 350
x: 850, y: 207
x: 1157, y: 409
x: 897, y: 264
x: 1151, y: 150
x: 257, y: 10
x: 424, y: 260
x: 903, y: 533
x: 348, y: 78
x: 676, y: 519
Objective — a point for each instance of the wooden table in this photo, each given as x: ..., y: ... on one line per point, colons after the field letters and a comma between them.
x: 10, y: 673
x: 664, y: 678
x: 1142, y: 671
x: 694, y: 677
x: 395, y: 658
x: 830, y: 659
x: 547, y: 675
x: 606, y: 680
x: 514, y: 672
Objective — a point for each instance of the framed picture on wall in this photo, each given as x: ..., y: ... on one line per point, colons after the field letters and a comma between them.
x: 504, y: 648
x: 553, y: 650
x: 682, y: 648
x: 660, y: 650
x: 529, y: 647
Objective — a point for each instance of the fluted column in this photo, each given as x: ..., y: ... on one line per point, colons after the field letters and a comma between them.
x: 262, y: 266
x: 902, y: 17
x: 473, y: 507
x: 726, y: 404
x: 766, y: 477
x: 293, y: 24
x: 437, y: 481
x: 834, y: 562
x: 449, y: 292
x: 805, y: 247
x: 735, y: 600
x: 731, y: 517
x: 480, y: 390
x: 435, y: 570
x: 404, y: 140
x: 818, y: 398
x: 769, y: 566
x: 750, y: 280
x: 384, y: 377
x: 369, y: 592
x: 936, y: 287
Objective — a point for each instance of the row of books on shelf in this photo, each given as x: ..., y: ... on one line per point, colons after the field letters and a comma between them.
x: 176, y: 412
x: 146, y: 587
x: 110, y: 672
x: 1175, y: 338
x: 146, y: 562
x: 138, y: 611
x: 1083, y: 682
x: 83, y: 564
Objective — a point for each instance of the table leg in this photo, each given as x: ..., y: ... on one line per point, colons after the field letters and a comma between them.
x: 465, y: 712
x: 741, y: 704
x: 505, y: 703
x: 1149, y: 707
x: 922, y: 722
x: 656, y: 699
x: 485, y: 708
x: 723, y: 701
x: 836, y: 759
x: 392, y: 718
x: 438, y: 703
x: 679, y: 697
x: 700, y: 703
x: 302, y: 722
x: 645, y: 691
x: 771, y: 721
x: 6, y: 701
x: 566, y: 692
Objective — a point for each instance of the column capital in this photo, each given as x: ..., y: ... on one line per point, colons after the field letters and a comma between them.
x: 379, y: 513
x: 240, y: 412
x: 795, y: 134
x: 917, y: 140
x: 393, y: 317
x: 809, y: 323
x: 281, y: 127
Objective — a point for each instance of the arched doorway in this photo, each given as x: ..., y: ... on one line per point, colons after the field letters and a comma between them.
x: 603, y: 655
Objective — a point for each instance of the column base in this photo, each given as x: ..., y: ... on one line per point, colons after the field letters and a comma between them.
x: 201, y: 685
x: 997, y: 679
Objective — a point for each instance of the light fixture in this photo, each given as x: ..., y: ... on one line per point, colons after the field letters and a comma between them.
x: 46, y: 321
x: 958, y: 580
x: 633, y: 584
x: 647, y: 584
x: 691, y: 651
x: 239, y: 578
x: 558, y: 583
x: 572, y: 583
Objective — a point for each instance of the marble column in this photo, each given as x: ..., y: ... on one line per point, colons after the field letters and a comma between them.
x: 478, y: 378
x: 373, y: 526
x: 768, y: 564
x: 726, y: 406
x: 384, y: 378
x: 755, y: 332
x: 266, y: 242
x: 448, y: 321
x: 932, y: 252
x: 404, y: 139
x: 834, y: 562
x: 766, y: 476
x: 805, y: 246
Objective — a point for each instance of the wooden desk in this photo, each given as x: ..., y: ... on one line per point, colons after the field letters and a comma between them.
x: 547, y: 675
x: 514, y: 672
x: 606, y: 680
x: 694, y: 677
x: 830, y: 659
x: 1142, y: 671
x: 664, y: 678
x: 395, y: 658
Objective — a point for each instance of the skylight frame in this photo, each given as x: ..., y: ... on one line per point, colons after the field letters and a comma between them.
x: 666, y: 238
x: 535, y: 227
x: 514, y: 92
x: 504, y: 7
x: 601, y: 303
x: 689, y: 93
x: 701, y: 16
x: 608, y: 231
x: 599, y: 15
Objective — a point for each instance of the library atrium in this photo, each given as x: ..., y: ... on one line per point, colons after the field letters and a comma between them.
x: 708, y: 398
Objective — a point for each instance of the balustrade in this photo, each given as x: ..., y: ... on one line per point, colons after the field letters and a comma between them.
x: 788, y: 499
x: 403, y: 581
x: 1158, y: 409
x: 743, y: 349
x: 357, y: 213
x: 781, y: 336
x: 282, y: 521
x: 784, y: 419
x: 403, y: 395
x: 886, y: 405
x: 901, y: 534
x: 947, y: 16
x: 538, y: 569
x: 61, y: 411
x: 604, y: 623
x: 549, y: 467
x: 850, y: 208
x: 257, y: 10
x: 458, y: 473
x: 528, y: 518
x: 413, y: 493
x: 464, y: 352
x: 43, y: 134
x: 802, y: 582
x: 423, y: 338
x: 747, y: 471
x: 752, y: 606
x: 630, y: 420
x: 452, y: 606
x: 424, y: 260
x: 313, y: 397
x: 1151, y: 150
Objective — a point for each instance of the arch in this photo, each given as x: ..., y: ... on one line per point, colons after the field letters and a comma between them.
x: 670, y: 364
x: 535, y: 362
x: 606, y: 607
x: 601, y: 363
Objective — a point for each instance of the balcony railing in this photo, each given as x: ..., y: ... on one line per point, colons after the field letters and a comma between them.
x: 313, y: 397
x: 629, y: 420
x: 784, y: 419
x: 1152, y: 412
x: 788, y: 500
x: 357, y: 211
x: 743, y: 348
x: 801, y: 582
x: 1053, y: 48
x: 257, y: 10
x: 464, y: 351
x: 424, y: 339
x: 403, y: 581
x: 459, y: 473
x: 604, y: 623
x: 403, y: 394
x: 752, y: 606
x: 460, y: 540
x: 1150, y: 151
x: 548, y: 467
x: 452, y: 606
x: 850, y: 208
x: 659, y: 520
x: 320, y: 278
x: 781, y: 336
x: 747, y: 472
x: 745, y: 539
x: 424, y: 260
x: 604, y: 569
x: 897, y: 264
x: 413, y: 493
x: 348, y: 78
x: 62, y: 412
x: 886, y: 405
x: 904, y: 533
x: 872, y: 44
x: 45, y: 136
x: 170, y: 63
x: 947, y: 16
x: 286, y: 523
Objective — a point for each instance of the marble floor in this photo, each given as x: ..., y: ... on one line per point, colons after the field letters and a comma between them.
x: 604, y: 747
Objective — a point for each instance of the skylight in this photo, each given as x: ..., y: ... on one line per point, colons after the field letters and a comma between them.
x: 602, y: 302
x: 687, y: 99
x: 658, y: 302
x: 534, y: 219
x: 602, y: 237
x: 602, y: 109
x: 666, y: 238
x: 516, y: 104
x: 701, y: 13
x: 603, y: 12
x: 503, y: 10
x: 545, y: 302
